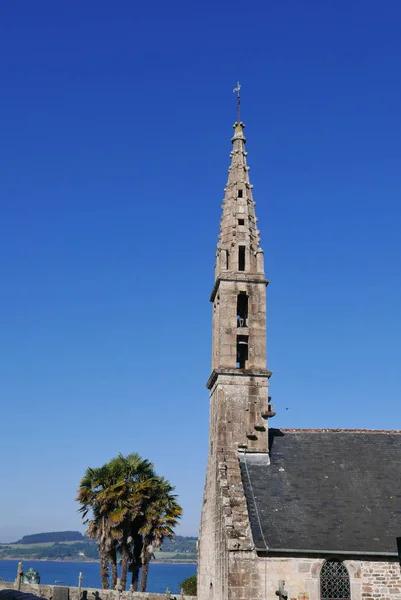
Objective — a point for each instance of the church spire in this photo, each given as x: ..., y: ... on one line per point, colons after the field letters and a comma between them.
x: 238, y: 248
x: 238, y: 384
x: 239, y: 291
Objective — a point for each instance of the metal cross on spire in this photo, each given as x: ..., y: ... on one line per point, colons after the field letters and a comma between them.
x: 237, y: 90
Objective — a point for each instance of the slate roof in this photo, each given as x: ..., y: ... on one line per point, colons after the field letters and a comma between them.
x: 328, y: 491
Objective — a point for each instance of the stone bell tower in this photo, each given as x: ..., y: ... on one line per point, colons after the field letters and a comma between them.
x: 238, y: 384
x: 239, y: 380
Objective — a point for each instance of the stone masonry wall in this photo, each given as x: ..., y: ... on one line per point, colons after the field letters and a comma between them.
x: 47, y: 591
x: 225, y: 527
x: 235, y: 420
x: 258, y: 578
x: 212, y: 542
x: 251, y: 577
x: 381, y: 580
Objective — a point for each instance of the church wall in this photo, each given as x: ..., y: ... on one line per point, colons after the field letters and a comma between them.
x: 212, y: 553
x: 237, y: 404
x: 244, y: 577
x: 257, y: 578
x: 225, y: 525
x: 380, y: 580
x: 301, y: 577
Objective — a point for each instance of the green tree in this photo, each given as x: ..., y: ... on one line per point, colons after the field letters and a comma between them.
x: 161, y: 517
x: 188, y: 586
x: 132, y: 510
x: 114, y: 493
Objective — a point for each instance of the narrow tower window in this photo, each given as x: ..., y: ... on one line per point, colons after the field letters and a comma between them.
x: 242, y: 351
x: 239, y: 193
x: 241, y: 258
x: 242, y: 309
x: 241, y: 221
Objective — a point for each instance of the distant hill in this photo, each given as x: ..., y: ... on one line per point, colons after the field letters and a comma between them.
x: 180, y: 544
x: 73, y: 546
x: 52, y: 537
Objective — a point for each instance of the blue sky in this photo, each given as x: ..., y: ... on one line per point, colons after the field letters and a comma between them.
x: 115, y: 139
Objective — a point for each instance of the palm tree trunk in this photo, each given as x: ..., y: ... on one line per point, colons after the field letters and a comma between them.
x: 124, y: 566
x: 144, y: 574
x: 104, y: 571
x: 136, y: 561
x: 113, y: 560
x: 135, y: 576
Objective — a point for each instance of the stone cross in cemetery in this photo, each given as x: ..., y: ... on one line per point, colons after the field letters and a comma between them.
x: 281, y: 592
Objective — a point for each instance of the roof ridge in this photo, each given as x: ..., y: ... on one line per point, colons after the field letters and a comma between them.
x: 329, y: 430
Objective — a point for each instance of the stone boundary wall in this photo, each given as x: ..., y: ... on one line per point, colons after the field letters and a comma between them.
x: 48, y: 592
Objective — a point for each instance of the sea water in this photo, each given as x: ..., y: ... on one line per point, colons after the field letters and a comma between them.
x: 161, y: 576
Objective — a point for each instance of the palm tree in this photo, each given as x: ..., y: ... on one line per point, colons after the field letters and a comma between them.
x: 90, y: 496
x: 116, y: 494
x: 161, y: 517
x: 139, y: 479
x: 107, y: 544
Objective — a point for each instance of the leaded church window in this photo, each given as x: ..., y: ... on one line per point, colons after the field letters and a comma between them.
x: 334, y: 581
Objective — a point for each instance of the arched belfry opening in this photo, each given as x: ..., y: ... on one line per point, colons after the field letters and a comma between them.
x: 242, y: 309
x: 334, y: 581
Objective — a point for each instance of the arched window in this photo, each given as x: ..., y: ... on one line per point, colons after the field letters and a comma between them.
x: 334, y: 581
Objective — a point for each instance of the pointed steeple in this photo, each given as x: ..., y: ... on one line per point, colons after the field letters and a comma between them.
x: 238, y: 384
x: 238, y: 248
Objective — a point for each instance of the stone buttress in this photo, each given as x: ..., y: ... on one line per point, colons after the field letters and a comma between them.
x: 238, y: 384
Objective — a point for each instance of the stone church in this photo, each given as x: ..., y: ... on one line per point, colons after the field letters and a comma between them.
x: 298, y: 514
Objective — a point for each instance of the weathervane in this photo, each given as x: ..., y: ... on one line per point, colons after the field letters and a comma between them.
x: 237, y: 91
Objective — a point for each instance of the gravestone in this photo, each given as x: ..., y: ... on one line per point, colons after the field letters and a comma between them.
x: 61, y: 592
